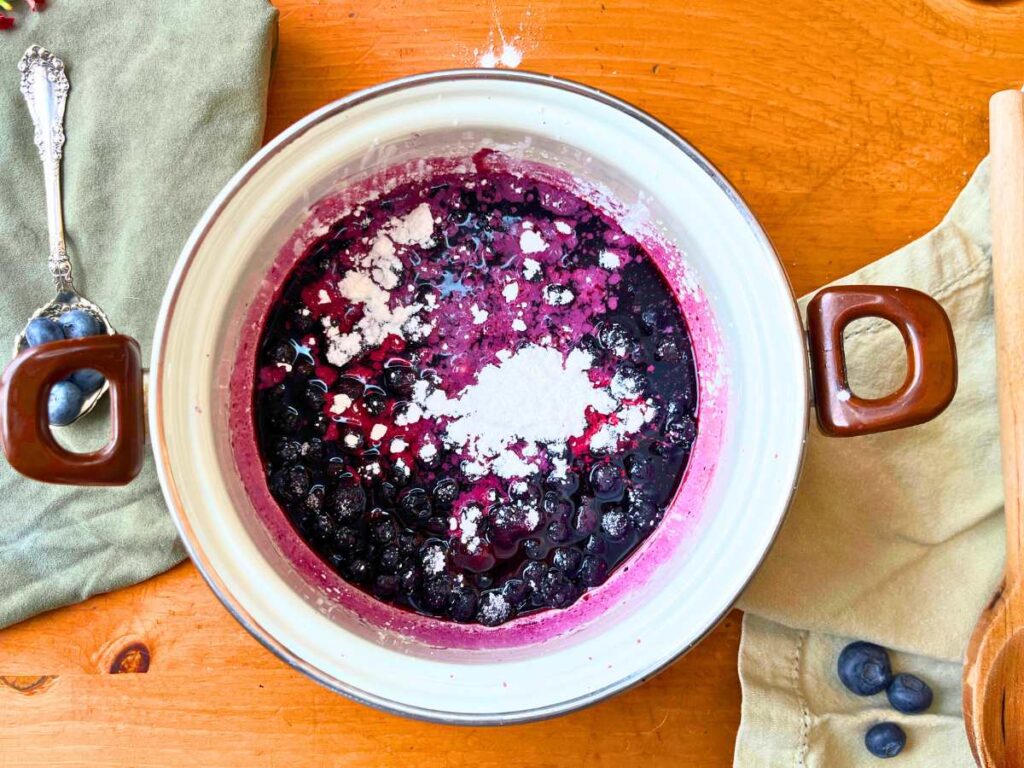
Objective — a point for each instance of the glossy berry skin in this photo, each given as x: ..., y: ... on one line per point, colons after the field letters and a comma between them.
x: 885, y: 740
x: 42, y: 330
x: 909, y: 694
x: 64, y: 403
x: 77, y: 323
x: 864, y: 668
x: 87, y: 380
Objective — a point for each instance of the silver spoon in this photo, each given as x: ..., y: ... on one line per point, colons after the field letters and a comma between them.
x: 44, y: 85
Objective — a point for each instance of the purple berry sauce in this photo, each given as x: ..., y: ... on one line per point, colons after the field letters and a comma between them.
x: 475, y: 396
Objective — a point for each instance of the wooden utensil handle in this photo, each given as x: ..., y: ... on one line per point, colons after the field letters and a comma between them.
x: 1006, y: 110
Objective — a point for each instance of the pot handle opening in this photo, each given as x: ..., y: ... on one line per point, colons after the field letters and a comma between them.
x: 25, y: 432
x: 931, y: 359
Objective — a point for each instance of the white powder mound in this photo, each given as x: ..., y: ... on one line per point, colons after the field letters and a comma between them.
x: 531, y: 242
x: 629, y: 419
x: 378, y: 432
x: 377, y: 323
x: 531, y: 268
x: 417, y: 227
x: 609, y: 260
x: 562, y: 227
x: 510, y: 292
x: 558, y: 295
x: 398, y: 445
x: 518, y: 325
x: 341, y: 404
x: 536, y: 397
x: 479, y: 315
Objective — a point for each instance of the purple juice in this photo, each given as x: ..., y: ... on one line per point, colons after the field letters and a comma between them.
x: 475, y: 396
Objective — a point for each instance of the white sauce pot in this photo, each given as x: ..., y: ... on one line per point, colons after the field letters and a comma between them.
x: 753, y: 392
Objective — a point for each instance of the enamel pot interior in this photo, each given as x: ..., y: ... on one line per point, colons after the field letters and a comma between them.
x: 753, y: 401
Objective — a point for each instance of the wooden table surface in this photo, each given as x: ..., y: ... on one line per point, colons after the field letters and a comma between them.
x: 849, y: 127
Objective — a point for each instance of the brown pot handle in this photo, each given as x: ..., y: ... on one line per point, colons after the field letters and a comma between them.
x: 931, y: 359
x: 25, y: 429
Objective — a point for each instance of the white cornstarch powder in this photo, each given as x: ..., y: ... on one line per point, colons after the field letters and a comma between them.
x: 535, y: 397
x: 609, y: 260
x: 531, y: 242
x: 370, y: 284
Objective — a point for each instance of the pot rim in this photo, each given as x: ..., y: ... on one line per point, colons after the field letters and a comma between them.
x: 159, y: 438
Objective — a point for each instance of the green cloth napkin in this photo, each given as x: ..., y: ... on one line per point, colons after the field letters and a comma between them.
x: 167, y: 101
x: 895, y: 538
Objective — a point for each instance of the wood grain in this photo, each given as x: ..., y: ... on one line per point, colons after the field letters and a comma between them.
x: 849, y: 127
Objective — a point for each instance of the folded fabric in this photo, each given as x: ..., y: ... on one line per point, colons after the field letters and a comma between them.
x: 895, y: 538
x: 167, y: 100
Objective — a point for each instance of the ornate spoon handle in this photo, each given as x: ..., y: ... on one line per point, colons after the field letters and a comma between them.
x: 45, y: 88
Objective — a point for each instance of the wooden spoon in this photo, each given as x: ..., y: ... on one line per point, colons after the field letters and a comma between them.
x: 994, y: 666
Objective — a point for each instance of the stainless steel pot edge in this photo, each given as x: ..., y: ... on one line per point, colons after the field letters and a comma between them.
x: 155, y: 397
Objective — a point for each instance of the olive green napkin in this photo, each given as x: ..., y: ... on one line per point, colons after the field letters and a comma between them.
x: 166, y: 102
x: 895, y: 538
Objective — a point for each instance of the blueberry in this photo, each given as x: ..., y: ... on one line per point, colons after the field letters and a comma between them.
x: 681, y: 432
x: 587, y: 517
x: 516, y: 591
x: 909, y: 694
x: 864, y: 668
x: 386, y: 585
x: 78, y: 323
x: 615, y: 522
x: 285, y: 418
x: 463, y: 604
x: 360, y: 571
x: 374, y: 401
x: 639, y: 469
x: 281, y: 352
x: 399, y: 380
x: 347, y: 503
x: 606, y: 480
x: 446, y: 491
x: 556, y: 590
x: 318, y: 424
x: 314, y: 450
x: 64, y: 404
x: 314, y: 395
x: 87, y: 380
x: 293, y: 482
x: 436, y: 593
x: 644, y: 513
x: 42, y: 330
x: 314, y: 501
x: 286, y: 450
x: 534, y: 549
x: 494, y: 609
x: 885, y: 740
x: 592, y: 572
x: 351, y: 438
x: 415, y: 503
x: 558, y: 531
x: 567, y: 559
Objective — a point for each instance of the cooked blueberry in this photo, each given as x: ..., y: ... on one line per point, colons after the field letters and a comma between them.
x: 652, y: 320
x: 667, y: 350
x: 909, y: 694
x: 593, y: 571
x: 275, y: 393
x: 400, y: 473
x: 347, y: 502
x: 287, y: 450
x: 360, y: 570
x: 558, y: 531
x: 314, y: 450
x: 639, y: 469
x: 534, y: 549
x: 322, y: 527
x: 516, y: 591
x: 79, y: 323
x: 644, y: 513
x: 681, y: 432
x: 282, y: 352
x: 285, y: 418
x: 302, y: 320
x: 436, y: 592
x: 314, y: 501
x: 617, y: 338
x: 493, y: 609
x: 533, y: 573
x: 463, y: 603
x: 400, y: 380
x: 304, y: 367
x: 446, y: 491
x: 293, y: 482
x: 350, y: 386
x: 374, y: 401
x: 409, y: 576
x: 415, y: 502
x: 64, y: 403
x: 567, y: 559
x: 606, y: 480
x: 523, y: 492
x: 563, y: 482
x: 615, y: 522
x: 864, y: 668
x: 885, y: 740
x: 314, y: 395
x: 337, y: 470
x: 351, y: 438
x: 385, y: 531
x: 556, y: 589
x: 318, y: 424
x: 595, y: 545
x: 42, y: 330
x: 386, y: 585
x: 588, y: 519
x: 628, y: 383
x: 345, y: 540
